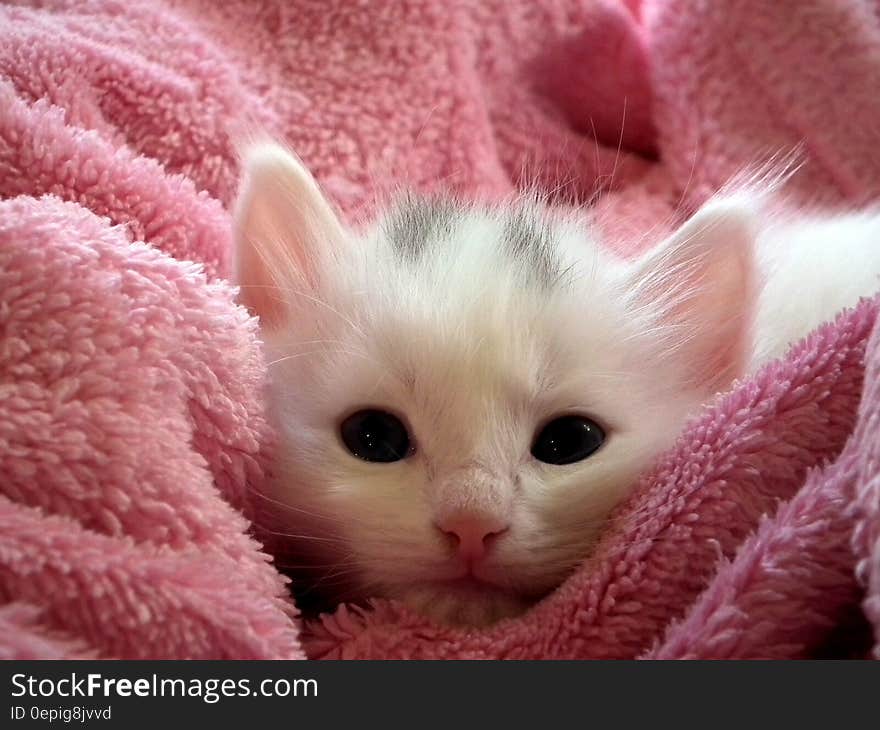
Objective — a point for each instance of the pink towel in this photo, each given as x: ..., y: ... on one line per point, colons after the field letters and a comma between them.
x: 132, y: 440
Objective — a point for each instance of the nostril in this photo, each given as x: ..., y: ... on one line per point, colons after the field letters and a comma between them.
x: 471, y: 536
x: 490, y: 537
x: 451, y: 538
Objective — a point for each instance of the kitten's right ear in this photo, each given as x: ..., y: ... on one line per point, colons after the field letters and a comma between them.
x: 701, y: 280
x: 285, y: 233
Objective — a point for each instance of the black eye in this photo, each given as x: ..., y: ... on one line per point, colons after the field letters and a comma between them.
x: 567, y: 440
x: 374, y: 435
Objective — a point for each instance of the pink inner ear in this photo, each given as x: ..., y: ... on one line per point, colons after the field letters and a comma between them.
x: 283, y: 224
x: 705, y: 274
x: 720, y: 312
x: 259, y: 291
x: 263, y: 253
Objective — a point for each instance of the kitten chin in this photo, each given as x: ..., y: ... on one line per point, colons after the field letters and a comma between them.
x: 463, y: 603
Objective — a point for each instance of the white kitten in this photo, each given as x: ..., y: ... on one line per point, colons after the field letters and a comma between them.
x: 463, y: 393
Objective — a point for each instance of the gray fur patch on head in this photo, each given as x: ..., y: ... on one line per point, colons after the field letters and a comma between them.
x: 529, y: 238
x: 415, y: 223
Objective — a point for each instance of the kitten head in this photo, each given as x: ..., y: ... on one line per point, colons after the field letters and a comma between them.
x: 463, y: 393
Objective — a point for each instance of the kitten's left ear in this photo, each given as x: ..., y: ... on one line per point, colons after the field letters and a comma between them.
x: 702, y: 279
x: 286, y: 234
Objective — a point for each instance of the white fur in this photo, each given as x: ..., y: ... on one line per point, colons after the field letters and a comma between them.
x: 812, y: 268
x: 474, y: 358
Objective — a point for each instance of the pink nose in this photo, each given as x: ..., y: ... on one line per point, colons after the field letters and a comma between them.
x: 473, y: 532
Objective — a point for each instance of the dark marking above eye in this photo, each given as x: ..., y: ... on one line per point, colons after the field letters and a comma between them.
x: 417, y: 222
x: 529, y: 239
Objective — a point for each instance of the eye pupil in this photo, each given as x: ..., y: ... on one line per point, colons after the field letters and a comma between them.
x: 374, y: 435
x: 567, y: 439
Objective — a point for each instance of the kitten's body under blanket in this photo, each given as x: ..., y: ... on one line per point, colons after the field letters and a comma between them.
x: 463, y: 393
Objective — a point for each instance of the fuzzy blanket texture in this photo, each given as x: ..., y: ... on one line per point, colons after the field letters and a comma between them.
x: 133, y: 444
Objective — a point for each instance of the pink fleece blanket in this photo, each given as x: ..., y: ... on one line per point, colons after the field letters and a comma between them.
x: 132, y: 440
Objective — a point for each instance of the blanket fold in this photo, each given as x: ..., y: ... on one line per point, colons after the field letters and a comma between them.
x: 133, y: 444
